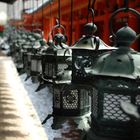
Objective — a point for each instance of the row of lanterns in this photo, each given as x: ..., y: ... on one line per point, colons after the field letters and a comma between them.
x: 89, y: 79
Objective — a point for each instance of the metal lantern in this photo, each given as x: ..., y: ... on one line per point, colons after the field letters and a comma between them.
x: 27, y: 54
x: 84, y: 54
x: 31, y: 55
x: 36, y: 67
x: 53, y: 58
x: 116, y: 79
x: 71, y: 102
x: 85, y: 51
x: 57, y: 72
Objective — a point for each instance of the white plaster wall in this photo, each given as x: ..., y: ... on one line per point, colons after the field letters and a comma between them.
x: 14, y: 11
x: 3, y: 7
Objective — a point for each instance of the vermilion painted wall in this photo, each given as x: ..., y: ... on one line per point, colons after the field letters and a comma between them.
x: 103, y: 10
x: 1, y: 28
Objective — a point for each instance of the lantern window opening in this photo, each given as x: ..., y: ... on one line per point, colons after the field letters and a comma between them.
x: 111, y: 106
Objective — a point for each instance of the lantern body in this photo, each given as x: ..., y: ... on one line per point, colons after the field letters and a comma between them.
x: 115, y: 78
x: 71, y: 102
x: 53, y: 64
x: 36, y: 67
x: 108, y: 119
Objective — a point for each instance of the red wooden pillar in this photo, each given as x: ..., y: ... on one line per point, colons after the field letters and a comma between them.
x: 1, y: 28
x: 100, y: 7
x: 77, y: 32
x: 106, y: 30
x: 68, y: 33
x: 48, y: 24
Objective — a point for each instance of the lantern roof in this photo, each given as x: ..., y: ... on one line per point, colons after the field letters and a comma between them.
x: 91, y: 43
x: 118, y: 63
x: 123, y: 62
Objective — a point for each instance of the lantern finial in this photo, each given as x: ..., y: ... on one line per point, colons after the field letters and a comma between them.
x: 125, y: 36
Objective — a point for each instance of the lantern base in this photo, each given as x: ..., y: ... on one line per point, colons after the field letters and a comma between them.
x: 81, y: 121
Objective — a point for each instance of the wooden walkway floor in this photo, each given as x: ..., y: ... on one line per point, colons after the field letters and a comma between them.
x: 18, y: 118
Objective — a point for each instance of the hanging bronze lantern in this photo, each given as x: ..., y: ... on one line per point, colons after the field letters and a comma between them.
x: 53, y: 62
x: 85, y: 51
x: 71, y: 102
x: 115, y: 79
x: 57, y: 72
x: 36, y: 67
x: 27, y: 53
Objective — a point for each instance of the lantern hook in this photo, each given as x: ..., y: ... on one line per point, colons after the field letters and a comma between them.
x: 90, y: 28
x: 119, y: 11
x: 90, y: 10
x: 126, y: 5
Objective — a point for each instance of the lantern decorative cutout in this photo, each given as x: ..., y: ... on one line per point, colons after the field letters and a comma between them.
x: 54, y: 57
x: 115, y: 79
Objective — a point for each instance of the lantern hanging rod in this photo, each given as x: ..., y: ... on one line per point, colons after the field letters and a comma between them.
x: 24, y: 7
x: 51, y: 12
x: 133, y: 11
x: 59, y: 13
x: 89, y: 4
x: 91, y: 9
x: 126, y: 3
x: 32, y: 5
x: 71, y: 21
x: 34, y: 12
x: 42, y: 15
